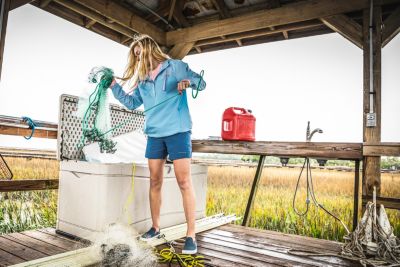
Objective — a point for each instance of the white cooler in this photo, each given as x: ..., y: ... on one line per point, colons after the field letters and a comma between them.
x: 93, y: 195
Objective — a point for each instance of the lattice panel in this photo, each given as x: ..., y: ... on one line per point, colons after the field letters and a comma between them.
x: 70, y: 126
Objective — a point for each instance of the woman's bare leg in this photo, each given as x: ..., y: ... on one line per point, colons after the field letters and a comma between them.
x: 156, y: 167
x: 182, y: 173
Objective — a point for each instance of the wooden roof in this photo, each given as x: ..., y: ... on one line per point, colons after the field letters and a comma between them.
x: 197, y: 26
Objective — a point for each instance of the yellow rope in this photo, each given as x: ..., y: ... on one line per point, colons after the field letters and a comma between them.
x: 130, y: 198
x: 168, y: 255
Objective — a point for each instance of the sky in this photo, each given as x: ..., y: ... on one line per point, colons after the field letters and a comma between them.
x: 287, y: 83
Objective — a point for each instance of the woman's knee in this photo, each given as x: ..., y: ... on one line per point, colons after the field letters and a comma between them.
x: 156, y: 182
x: 184, y: 183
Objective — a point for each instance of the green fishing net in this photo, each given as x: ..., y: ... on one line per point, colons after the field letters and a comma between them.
x: 95, y: 113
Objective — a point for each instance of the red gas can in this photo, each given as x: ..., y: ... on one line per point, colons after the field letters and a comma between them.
x: 238, y: 124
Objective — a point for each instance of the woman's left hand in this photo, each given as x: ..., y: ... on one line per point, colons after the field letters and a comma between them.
x: 182, y: 85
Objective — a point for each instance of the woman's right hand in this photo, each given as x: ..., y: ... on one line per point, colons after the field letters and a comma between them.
x: 112, y: 83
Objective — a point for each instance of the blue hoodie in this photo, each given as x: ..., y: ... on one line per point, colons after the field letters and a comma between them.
x: 172, y: 116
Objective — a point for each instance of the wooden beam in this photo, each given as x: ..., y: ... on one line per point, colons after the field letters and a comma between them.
x: 44, y: 3
x: 285, y: 34
x: 371, y: 165
x: 179, y: 51
x: 95, y: 17
x: 381, y: 149
x: 222, y: 9
x: 239, y: 42
x: 28, y: 185
x: 387, y: 202
x: 351, y: 151
x: 4, y: 9
x: 291, y: 13
x: 391, y: 27
x: 18, y: 3
x: 120, y: 14
x: 9, y: 130
x: 346, y: 27
x: 262, y: 32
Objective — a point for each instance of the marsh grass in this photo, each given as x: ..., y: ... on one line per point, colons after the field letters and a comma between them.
x: 228, y: 190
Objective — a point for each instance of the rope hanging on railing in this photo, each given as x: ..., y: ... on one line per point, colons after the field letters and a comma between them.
x: 32, y: 125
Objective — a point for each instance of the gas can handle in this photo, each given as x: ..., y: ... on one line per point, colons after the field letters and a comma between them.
x: 243, y: 110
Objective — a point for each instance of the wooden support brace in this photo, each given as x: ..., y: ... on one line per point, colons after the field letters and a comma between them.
x: 346, y: 27
x: 179, y: 51
x: 391, y: 27
x: 253, y: 192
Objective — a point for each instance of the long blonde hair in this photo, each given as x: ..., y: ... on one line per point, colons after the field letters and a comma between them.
x: 137, y: 70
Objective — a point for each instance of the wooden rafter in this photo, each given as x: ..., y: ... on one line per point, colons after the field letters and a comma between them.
x: 291, y: 13
x: 391, y: 27
x: 171, y: 10
x: 121, y: 15
x: 179, y: 51
x: 77, y: 19
x: 346, y: 27
x: 44, y: 3
x: 258, y: 33
x: 89, y: 23
x: 222, y: 9
x: 95, y: 17
x: 162, y: 11
x: 178, y: 14
x: 18, y: 3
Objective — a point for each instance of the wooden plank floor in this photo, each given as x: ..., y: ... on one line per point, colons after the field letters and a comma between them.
x: 228, y: 245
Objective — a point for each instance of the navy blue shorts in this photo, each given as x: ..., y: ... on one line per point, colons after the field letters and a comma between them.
x: 177, y: 146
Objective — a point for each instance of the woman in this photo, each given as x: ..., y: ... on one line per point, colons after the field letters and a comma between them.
x: 155, y: 78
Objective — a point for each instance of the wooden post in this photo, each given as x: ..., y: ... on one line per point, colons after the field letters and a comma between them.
x: 371, y: 165
x: 253, y: 192
x: 356, y: 193
x: 4, y: 8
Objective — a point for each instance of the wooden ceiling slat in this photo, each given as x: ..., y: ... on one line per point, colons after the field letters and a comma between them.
x: 125, y: 17
x: 291, y: 13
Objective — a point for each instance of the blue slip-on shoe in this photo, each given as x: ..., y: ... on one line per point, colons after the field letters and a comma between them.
x: 190, y: 246
x: 150, y: 234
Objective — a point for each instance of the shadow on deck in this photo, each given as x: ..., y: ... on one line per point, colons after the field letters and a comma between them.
x: 228, y: 245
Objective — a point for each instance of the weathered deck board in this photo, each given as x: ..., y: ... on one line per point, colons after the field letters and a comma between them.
x: 228, y: 245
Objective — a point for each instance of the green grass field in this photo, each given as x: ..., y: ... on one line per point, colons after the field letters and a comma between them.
x: 228, y: 190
